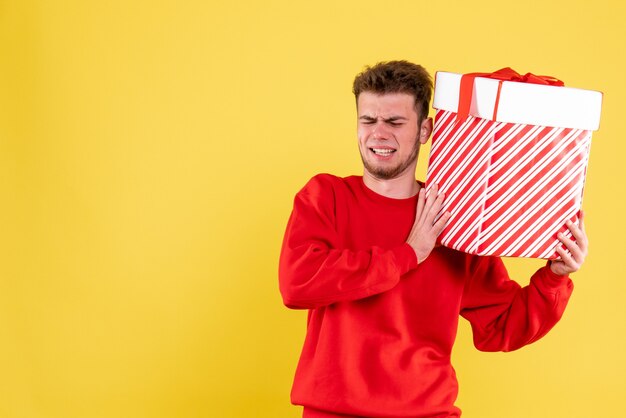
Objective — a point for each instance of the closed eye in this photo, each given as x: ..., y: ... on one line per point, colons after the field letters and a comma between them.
x: 396, y: 121
x: 367, y: 120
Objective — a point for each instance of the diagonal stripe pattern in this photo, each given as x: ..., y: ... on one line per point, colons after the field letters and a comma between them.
x: 509, y: 187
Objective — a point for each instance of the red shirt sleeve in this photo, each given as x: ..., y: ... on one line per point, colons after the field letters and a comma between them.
x: 505, y: 316
x: 314, y: 269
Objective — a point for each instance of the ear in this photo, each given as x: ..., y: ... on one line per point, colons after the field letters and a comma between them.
x: 425, y: 130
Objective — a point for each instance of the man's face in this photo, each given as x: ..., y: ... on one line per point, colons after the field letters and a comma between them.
x: 388, y: 133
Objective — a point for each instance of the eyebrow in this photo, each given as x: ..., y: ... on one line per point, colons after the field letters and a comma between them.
x: 391, y: 119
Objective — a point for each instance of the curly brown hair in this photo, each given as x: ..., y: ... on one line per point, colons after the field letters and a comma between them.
x: 397, y: 77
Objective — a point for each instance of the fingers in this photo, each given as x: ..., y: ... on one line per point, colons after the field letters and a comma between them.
x: 567, y: 264
x: 574, y: 253
x: 581, y: 222
x: 432, y: 206
x: 441, y: 223
x: 578, y: 232
x: 428, y: 202
x: 435, y: 208
x: 577, y: 250
x: 423, y: 235
x: 579, y: 247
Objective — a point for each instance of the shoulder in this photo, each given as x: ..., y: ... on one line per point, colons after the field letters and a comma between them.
x: 328, y: 184
x: 324, y: 180
x: 325, y: 192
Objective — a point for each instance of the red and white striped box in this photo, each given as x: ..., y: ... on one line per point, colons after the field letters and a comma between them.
x: 513, y: 171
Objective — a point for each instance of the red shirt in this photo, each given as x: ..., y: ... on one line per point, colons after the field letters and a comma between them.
x: 381, y: 327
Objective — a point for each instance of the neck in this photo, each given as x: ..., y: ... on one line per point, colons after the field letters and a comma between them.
x: 401, y: 187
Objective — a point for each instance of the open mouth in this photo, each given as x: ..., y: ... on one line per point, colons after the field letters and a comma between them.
x: 383, y: 152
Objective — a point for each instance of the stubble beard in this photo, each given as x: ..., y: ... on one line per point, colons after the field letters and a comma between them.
x: 388, y: 173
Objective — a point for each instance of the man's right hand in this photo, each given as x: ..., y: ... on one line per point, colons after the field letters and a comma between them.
x: 423, y: 235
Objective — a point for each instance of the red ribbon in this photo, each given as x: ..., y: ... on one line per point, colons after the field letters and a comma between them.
x: 505, y: 74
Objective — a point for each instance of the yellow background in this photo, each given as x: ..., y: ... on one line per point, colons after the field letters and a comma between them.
x: 149, y: 154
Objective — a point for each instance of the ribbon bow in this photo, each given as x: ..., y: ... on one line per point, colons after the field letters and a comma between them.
x: 505, y: 74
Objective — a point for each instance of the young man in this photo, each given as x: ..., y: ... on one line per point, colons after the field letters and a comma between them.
x: 384, y: 301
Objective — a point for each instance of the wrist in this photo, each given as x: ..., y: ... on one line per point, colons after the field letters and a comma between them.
x: 557, y: 268
x: 419, y: 254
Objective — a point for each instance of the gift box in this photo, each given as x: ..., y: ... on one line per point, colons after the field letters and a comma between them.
x: 510, y: 153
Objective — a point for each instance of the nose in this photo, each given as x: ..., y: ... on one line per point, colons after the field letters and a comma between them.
x: 380, y: 131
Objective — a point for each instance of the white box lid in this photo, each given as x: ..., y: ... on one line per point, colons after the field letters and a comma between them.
x: 527, y: 103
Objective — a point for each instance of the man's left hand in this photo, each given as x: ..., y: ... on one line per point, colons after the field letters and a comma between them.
x: 572, y: 261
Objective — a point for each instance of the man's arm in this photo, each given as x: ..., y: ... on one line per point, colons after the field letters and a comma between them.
x: 505, y: 316
x: 315, y: 271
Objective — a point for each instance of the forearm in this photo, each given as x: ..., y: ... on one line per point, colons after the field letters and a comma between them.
x: 521, y: 315
x: 312, y: 275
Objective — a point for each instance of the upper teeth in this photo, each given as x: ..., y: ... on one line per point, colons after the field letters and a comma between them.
x: 383, y: 151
